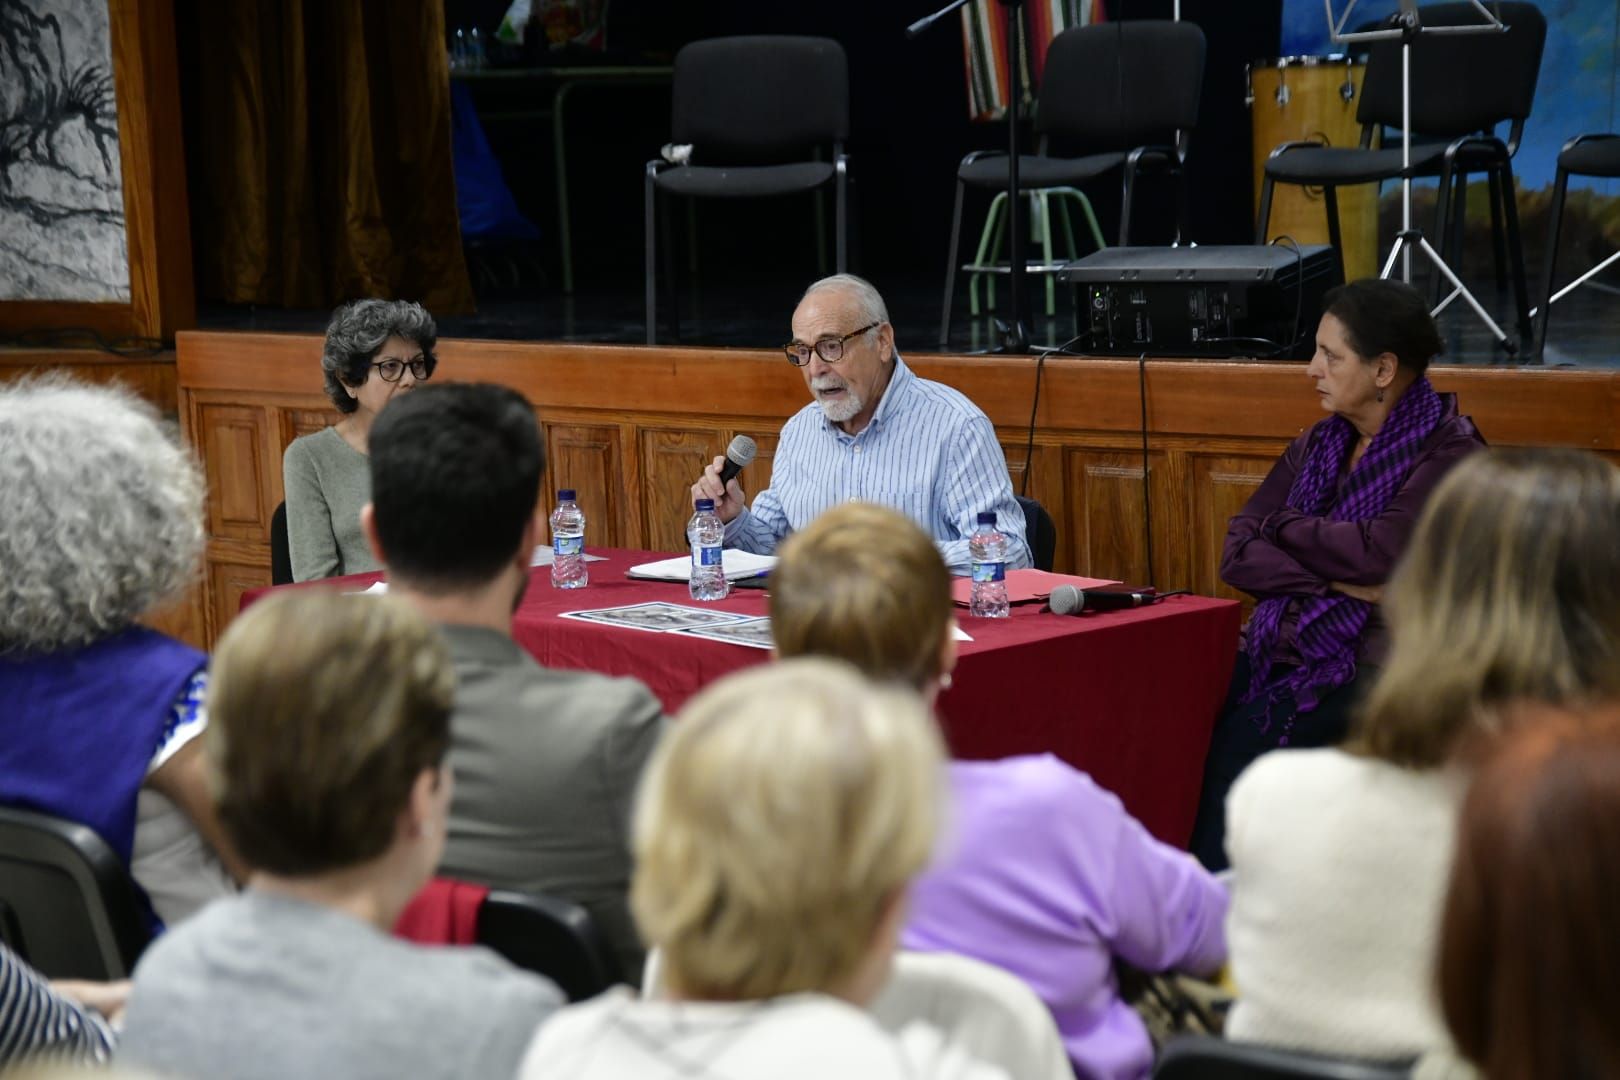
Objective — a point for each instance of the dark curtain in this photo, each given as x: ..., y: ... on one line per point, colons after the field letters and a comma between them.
x: 318, y: 139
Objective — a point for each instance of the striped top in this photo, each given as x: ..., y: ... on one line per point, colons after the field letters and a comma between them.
x: 37, y: 1022
x: 929, y: 452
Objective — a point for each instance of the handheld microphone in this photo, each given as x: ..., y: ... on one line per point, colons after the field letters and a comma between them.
x: 1069, y: 600
x: 740, y: 453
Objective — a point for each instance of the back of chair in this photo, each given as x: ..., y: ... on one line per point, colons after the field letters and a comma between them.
x: 1116, y: 85
x: 551, y: 937
x: 1203, y: 1058
x: 985, y: 1012
x: 280, y: 548
x: 1040, y: 533
x: 760, y: 99
x: 69, y: 906
x: 1461, y: 83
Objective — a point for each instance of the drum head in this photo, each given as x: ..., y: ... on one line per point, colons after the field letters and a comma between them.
x: 1306, y: 61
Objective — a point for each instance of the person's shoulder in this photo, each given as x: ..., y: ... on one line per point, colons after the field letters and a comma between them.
x: 466, y: 980
x: 947, y: 400
x: 1039, y: 780
x: 605, y: 697
x: 314, y: 444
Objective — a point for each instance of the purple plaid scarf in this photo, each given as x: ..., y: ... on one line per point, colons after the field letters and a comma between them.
x: 1329, y: 627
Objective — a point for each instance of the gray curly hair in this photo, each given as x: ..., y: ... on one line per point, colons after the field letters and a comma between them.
x: 102, y: 512
x: 358, y: 330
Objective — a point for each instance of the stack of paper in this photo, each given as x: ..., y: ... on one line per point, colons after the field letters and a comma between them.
x: 738, y: 565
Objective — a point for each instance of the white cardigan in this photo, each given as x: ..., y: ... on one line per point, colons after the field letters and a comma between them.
x: 1339, y: 868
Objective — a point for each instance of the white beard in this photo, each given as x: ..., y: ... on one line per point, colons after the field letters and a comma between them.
x: 841, y: 409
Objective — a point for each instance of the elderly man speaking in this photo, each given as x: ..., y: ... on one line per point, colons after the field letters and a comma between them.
x: 874, y: 432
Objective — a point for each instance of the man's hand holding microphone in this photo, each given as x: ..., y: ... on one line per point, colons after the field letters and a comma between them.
x: 719, y: 480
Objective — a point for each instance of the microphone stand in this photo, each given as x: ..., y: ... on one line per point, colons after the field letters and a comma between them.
x: 1015, y: 336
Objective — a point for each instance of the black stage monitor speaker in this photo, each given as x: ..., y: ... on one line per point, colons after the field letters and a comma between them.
x: 1221, y: 301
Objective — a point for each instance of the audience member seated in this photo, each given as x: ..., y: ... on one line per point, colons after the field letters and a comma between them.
x: 1510, y: 590
x: 375, y: 350
x: 1318, y: 540
x: 876, y: 432
x: 54, y: 1021
x: 776, y: 833
x: 1045, y: 874
x: 1528, y: 983
x: 100, y: 522
x: 331, y: 722
x: 546, y: 761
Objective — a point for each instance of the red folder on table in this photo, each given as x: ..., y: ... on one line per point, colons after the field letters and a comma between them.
x: 1027, y: 586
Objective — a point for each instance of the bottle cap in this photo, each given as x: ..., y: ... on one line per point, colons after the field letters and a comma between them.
x: 705, y: 504
x: 987, y: 517
x: 565, y: 494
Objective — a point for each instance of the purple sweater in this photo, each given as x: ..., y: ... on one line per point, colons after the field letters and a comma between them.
x: 1045, y: 875
x: 1272, y: 550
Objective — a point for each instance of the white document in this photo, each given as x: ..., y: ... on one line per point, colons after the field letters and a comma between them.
x: 542, y: 556
x: 753, y: 633
x: 377, y: 589
x: 656, y: 616
x: 959, y: 634
x: 737, y: 564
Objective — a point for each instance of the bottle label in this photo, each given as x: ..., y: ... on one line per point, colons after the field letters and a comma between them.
x: 567, y: 545
x: 708, y: 556
x: 989, y: 571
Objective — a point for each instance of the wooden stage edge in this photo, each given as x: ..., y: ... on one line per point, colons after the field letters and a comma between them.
x: 630, y: 426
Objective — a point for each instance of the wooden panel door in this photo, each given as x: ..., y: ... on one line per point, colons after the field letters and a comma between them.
x: 234, y: 451
x: 588, y: 459
x: 1220, y: 484
x: 671, y: 461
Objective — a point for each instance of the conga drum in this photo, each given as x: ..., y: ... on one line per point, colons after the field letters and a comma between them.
x: 1313, y: 97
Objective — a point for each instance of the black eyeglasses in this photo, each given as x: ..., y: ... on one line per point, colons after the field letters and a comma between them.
x: 829, y: 349
x: 394, y: 370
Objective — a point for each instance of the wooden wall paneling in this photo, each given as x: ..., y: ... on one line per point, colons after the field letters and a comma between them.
x: 235, y: 450
x: 1219, y: 485
x: 589, y: 459
x: 1106, y: 535
x: 227, y: 581
x: 1046, y: 486
x: 671, y: 460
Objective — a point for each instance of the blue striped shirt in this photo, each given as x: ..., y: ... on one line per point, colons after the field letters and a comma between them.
x: 929, y: 452
x: 37, y: 1022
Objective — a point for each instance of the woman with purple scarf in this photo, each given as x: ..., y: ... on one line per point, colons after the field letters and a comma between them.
x: 1317, y: 541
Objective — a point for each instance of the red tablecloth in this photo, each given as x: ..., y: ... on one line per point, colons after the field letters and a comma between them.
x: 1128, y: 696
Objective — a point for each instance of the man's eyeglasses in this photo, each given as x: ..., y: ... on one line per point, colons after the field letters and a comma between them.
x: 829, y: 349
x: 394, y: 370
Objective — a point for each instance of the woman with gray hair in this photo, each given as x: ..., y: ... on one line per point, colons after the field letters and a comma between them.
x: 102, y: 515
x: 374, y: 350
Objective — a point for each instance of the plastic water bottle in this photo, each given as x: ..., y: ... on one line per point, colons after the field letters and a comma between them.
x: 988, y: 549
x: 568, y: 569
x: 707, y: 535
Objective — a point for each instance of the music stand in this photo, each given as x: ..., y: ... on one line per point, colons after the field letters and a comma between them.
x: 1407, y: 25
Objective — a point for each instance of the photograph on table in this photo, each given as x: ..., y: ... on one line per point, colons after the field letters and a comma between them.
x: 657, y: 616
x: 754, y: 633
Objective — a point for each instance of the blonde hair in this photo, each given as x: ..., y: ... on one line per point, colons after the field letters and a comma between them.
x: 787, y: 808
x: 323, y: 709
x: 1510, y: 589
x: 864, y: 584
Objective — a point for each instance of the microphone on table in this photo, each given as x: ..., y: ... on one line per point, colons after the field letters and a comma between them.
x: 740, y: 453
x: 1070, y: 600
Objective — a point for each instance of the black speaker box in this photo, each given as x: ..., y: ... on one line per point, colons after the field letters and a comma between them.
x: 1216, y: 302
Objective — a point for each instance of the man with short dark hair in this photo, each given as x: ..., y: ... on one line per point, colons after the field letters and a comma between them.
x: 545, y: 762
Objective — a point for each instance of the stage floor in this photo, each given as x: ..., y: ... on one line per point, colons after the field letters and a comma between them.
x: 1585, y: 328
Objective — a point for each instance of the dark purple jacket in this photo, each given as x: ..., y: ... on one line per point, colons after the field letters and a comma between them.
x: 1272, y: 550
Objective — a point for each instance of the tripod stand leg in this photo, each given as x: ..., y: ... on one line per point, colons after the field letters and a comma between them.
x: 1461, y: 290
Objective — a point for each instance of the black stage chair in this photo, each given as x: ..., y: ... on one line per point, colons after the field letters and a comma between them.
x: 1203, y: 1058
x: 1455, y: 111
x: 549, y: 936
x: 1115, y: 89
x: 280, y: 552
x: 757, y: 112
x: 69, y: 906
x: 1584, y: 155
x: 1040, y: 532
